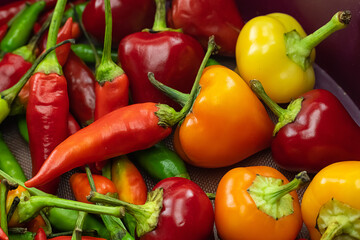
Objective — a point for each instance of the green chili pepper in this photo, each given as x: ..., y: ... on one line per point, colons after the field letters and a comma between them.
x: 70, y: 12
x: 23, y: 236
x: 160, y: 162
x: 85, y: 52
x: 8, y: 163
x: 22, y: 27
x: 22, y: 126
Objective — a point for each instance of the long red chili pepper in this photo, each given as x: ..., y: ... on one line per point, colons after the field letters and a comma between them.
x: 81, y: 89
x: 112, y: 88
x: 48, y: 106
x: 124, y: 130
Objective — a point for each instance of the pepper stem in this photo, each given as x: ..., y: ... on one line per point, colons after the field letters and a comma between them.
x: 107, y: 70
x: 146, y: 215
x: 285, y: 116
x: 31, y: 206
x: 51, y: 63
x: 160, y: 19
x: 167, y: 115
x: 272, y: 197
x: 298, y: 50
x: 76, y: 235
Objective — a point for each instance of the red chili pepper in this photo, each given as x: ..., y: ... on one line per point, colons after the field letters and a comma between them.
x: 65, y: 33
x: 313, y: 132
x: 12, y: 68
x: 187, y: 212
x: 73, y: 125
x: 48, y: 107
x: 81, y: 188
x: 225, y: 25
x: 3, y: 30
x: 40, y: 234
x: 128, y: 181
x: 112, y: 86
x: 173, y: 57
x: 81, y: 89
x: 124, y: 11
x: 35, y: 224
x: 3, y: 235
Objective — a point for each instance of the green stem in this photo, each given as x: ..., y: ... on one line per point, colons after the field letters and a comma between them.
x: 299, y: 49
x: 275, y: 193
x: 3, y: 216
x: 17, y: 230
x: 76, y: 235
x: 160, y: 18
x: 146, y: 215
x: 166, y: 119
x: 107, y: 70
x: 10, y: 94
x: 51, y: 63
x: 211, y: 196
x: 285, y: 116
x: 333, y: 230
x: 28, y: 208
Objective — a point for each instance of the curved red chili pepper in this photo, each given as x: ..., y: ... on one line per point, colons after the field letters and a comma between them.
x: 40, y: 234
x: 122, y: 131
x: 46, y: 116
x: 65, y: 33
x: 81, y: 89
x: 12, y: 68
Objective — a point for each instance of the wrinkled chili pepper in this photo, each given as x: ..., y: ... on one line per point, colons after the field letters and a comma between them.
x: 160, y: 162
x: 64, y: 33
x: 279, y: 38
x: 19, y: 32
x: 124, y: 130
x: 85, y: 52
x: 314, y: 131
x: 129, y: 183
x: 225, y: 25
x: 81, y: 89
x: 48, y: 106
x: 8, y: 162
x: 172, y: 56
x: 112, y: 84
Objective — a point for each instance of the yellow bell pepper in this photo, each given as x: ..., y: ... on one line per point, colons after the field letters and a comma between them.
x: 330, y: 205
x: 275, y: 50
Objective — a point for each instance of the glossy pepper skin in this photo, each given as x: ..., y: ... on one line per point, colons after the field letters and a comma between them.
x: 12, y: 68
x: 138, y: 14
x: 81, y: 188
x: 40, y: 234
x: 129, y: 183
x: 122, y: 131
x: 160, y: 162
x: 20, y: 30
x: 237, y: 111
x: 202, y: 19
x: 187, y: 212
x: 319, y: 132
x: 337, y: 181
x: 81, y: 89
x: 284, y: 67
x: 238, y: 217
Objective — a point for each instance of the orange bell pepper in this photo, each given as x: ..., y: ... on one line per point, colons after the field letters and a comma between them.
x: 330, y: 205
x: 227, y: 123
x: 81, y: 188
x: 257, y: 203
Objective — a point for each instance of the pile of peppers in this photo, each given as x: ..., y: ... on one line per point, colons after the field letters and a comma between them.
x: 111, y: 91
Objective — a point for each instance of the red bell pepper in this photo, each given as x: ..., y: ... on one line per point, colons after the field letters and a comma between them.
x: 202, y: 19
x: 81, y: 89
x: 129, y: 16
x: 187, y: 212
x: 112, y: 86
x: 48, y: 106
x: 80, y: 186
x: 172, y: 56
x: 65, y: 33
x: 313, y: 132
